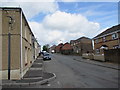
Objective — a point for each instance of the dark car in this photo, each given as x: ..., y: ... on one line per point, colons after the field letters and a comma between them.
x: 46, y: 56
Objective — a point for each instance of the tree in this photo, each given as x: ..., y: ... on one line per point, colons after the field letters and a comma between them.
x: 46, y: 47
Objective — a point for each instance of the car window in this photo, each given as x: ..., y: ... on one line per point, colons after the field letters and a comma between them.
x: 46, y: 54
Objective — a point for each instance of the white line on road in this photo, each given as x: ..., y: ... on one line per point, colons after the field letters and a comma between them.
x: 58, y: 82
x: 49, y: 85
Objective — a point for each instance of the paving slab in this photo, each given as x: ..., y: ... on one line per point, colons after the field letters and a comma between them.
x: 35, y: 75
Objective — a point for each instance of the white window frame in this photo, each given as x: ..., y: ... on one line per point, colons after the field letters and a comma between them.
x: 114, y: 36
x: 97, y: 51
x: 104, y: 39
x: 116, y: 46
x: 96, y: 41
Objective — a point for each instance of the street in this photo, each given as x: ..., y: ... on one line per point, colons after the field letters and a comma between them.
x: 64, y: 45
x: 71, y: 73
x: 74, y: 74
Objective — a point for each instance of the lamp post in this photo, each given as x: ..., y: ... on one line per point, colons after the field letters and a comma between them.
x: 9, y: 45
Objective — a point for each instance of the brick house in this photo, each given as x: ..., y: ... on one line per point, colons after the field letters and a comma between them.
x: 81, y: 45
x: 108, y: 39
x: 58, y: 48
x: 66, y: 49
x: 23, y: 46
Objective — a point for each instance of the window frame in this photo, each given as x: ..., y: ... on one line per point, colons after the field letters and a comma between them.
x: 114, y: 36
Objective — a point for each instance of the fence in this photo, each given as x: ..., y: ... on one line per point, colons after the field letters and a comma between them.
x: 112, y: 55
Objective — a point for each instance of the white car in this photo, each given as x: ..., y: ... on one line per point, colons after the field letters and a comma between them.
x: 46, y: 56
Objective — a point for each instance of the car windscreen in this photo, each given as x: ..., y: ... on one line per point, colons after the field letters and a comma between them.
x: 46, y: 54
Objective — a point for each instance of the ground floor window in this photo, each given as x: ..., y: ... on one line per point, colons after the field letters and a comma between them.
x: 97, y: 51
x: 26, y: 57
x: 116, y: 46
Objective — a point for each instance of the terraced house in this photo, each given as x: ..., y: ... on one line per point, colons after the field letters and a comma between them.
x: 109, y: 39
x: 18, y: 48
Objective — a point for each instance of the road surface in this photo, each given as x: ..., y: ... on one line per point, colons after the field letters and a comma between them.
x: 74, y: 74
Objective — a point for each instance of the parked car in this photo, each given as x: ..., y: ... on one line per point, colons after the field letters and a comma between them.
x: 46, y: 56
x: 43, y: 52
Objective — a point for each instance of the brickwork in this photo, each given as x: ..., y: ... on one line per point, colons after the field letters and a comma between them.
x: 109, y: 38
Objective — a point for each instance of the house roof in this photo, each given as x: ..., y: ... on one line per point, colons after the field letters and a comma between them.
x: 66, y: 46
x: 109, y: 30
x: 79, y: 39
x: 59, y: 46
x: 53, y: 47
x: 72, y: 41
x: 83, y: 37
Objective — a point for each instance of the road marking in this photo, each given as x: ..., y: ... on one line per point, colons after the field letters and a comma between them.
x: 58, y: 82
x: 39, y: 63
x: 49, y: 85
x: 36, y: 68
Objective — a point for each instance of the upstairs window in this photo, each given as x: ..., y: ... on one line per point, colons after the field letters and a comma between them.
x: 25, y: 32
x: 114, y: 36
x: 96, y: 41
x: 104, y: 39
x: 30, y: 38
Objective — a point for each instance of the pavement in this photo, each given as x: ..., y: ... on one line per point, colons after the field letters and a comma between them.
x: 95, y: 62
x: 98, y: 63
x: 35, y: 75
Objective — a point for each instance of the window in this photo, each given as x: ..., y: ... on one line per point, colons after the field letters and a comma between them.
x: 116, y: 46
x: 96, y: 41
x: 114, y: 36
x: 104, y: 39
x: 26, y: 55
x: 25, y: 32
x: 30, y: 38
x: 97, y: 51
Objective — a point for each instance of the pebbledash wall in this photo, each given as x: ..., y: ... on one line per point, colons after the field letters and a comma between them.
x: 22, y: 47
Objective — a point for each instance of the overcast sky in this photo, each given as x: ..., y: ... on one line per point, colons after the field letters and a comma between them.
x: 54, y: 22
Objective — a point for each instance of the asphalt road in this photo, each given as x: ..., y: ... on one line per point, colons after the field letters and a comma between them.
x: 74, y: 74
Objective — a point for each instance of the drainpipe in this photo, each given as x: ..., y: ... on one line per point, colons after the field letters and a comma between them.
x: 9, y: 55
x: 21, y: 54
x: 9, y: 47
